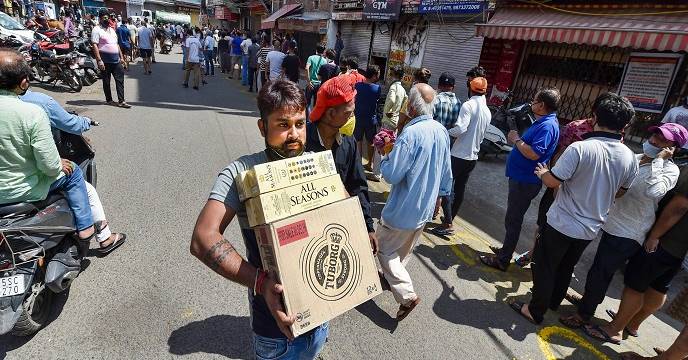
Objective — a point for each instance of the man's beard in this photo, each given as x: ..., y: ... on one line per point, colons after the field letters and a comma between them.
x: 283, y: 152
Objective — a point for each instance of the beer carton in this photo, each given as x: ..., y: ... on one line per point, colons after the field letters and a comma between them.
x: 323, y: 260
x: 280, y: 174
x: 292, y: 200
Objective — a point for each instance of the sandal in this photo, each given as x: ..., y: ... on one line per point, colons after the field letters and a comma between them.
x: 572, y: 321
x: 442, y: 231
x: 493, y: 262
x: 574, y: 299
x: 405, y: 310
x: 596, y: 332
x: 119, y: 240
x: 124, y: 105
x: 495, y: 249
x: 517, y: 306
x: 612, y: 314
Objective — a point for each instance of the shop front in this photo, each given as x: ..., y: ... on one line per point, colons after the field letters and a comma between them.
x: 640, y: 56
x: 191, y: 8
x: 309, y: 29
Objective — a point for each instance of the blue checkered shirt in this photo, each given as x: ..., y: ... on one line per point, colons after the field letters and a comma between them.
x: 447, y: 108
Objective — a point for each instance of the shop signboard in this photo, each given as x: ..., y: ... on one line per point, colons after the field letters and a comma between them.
x: 381, y: 10
x: 647, y: 79
x: 451, y: 7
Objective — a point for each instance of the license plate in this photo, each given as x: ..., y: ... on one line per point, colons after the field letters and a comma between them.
x: 11, y: 285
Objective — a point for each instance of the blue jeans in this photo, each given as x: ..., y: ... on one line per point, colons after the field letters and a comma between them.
x: 303, y: 347
x: 244, y: 70
x: 183, y: 58
x: 74, y: 188
x: 209, y: 62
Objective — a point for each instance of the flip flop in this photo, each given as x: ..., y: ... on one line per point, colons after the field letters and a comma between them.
x: 119, y: 240
x: 440, y: 231
x: 495, y: 249
x: 612, y: 315
x: 493, y: 262
x: 572, y: 321
x: 574, y: 299
x: 405, y: 310
x: 517, y: 306
x: 601, y: 334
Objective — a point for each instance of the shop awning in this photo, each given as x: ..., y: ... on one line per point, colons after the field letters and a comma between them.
x: 650, y: 32
x: 285, y: 10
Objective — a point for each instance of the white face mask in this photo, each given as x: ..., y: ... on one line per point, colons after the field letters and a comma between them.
x: 650, y: 150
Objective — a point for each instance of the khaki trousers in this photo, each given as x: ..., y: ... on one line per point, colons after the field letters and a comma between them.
x: 394, y: 252
x: 196, y: 69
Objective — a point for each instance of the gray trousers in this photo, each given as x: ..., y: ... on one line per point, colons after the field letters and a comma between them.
x: 520, y: 196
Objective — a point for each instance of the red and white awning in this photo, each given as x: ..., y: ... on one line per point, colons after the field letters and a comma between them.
x: 285, y: 10
x: 649, y: 32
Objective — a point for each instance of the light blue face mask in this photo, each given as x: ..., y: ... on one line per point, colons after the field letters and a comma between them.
x: 650, y: 150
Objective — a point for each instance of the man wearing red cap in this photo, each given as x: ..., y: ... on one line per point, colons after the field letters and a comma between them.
x: 630, y: 218
x: 334, y: 106
x: 650, y: 271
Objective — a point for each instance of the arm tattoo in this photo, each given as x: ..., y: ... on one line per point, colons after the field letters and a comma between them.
x: 217, y: 254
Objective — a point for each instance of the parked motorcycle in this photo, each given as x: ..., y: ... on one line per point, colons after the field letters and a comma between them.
x: 38, y: 249
x: 505, y: 119
x: 166, y: 46
x: 87, y: 62
x: 47, y: 67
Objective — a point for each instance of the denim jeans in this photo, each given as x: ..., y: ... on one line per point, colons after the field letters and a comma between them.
x: 303, y: 347
x: 74, y: 188
x: 244, y: 70
x: 209, y: 63
x: 183, y: 57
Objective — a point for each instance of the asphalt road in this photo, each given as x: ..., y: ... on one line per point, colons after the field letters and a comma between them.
x: 152, y: 299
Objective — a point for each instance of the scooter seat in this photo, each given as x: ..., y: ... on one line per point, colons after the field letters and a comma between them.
x: 24, y: 208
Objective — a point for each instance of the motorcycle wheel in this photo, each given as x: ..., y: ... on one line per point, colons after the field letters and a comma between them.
x: 72, y: 80
x: 34, y: 311
x: 91, y: 76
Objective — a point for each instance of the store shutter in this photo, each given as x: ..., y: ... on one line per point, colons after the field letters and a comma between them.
x: 452, y: 47
x: 356, y: 36
x: 381, y: 42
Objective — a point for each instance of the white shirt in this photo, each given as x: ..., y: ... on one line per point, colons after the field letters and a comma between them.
x: 633, y: 214
x: 145, y: 35
x: 194, y: 46
x: 245, y: 45
x: 275, y: 58
x: 678, y: 115
x: 470, y: 127
x: 209, y: 42
x: 592, y: 171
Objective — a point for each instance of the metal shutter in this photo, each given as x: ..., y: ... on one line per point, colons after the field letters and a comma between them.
x: 452, y: 47
x: 356, y: 36
x: 381, y: 42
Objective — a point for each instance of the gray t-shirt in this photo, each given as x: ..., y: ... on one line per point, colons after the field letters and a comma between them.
x: 225, y: 188
x: 591, y: 171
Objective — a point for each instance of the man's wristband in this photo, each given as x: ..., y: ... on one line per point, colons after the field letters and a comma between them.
x: 260, y: 280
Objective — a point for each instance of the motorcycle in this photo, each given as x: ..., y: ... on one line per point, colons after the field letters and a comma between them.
x: 166, y: 46
x: 505, y: 119
x: 47, y: 67
x: 38, y: 249
x: 87, y: 62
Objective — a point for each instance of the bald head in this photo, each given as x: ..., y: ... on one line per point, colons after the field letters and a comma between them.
x: 421, y: 98
x: 14, y: 71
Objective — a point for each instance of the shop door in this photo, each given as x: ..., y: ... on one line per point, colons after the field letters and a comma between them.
x: 356, y: 36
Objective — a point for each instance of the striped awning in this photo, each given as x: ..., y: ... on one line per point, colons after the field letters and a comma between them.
x: 649, y: 32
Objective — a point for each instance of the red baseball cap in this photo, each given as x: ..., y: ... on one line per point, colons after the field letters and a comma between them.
x: 336, y: 91
x: 672, y: 132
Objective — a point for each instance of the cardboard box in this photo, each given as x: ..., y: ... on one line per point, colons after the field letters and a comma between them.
x: 279, y: 204
x: 280, y: 174
x: 323, y: 260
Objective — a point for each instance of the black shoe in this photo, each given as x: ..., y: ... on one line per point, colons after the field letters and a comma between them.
x: 204, y: 82
x: 250, y: 90
x: 185, y: 85
x: 195, y: 87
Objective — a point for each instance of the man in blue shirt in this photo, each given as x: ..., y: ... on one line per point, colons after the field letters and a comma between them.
x: 124, y: 40
x: 237, y: 55
x: 419, y: 170
x: 536, y: 146
x: 367, y: 95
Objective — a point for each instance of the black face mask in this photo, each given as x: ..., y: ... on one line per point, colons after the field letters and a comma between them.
x: 104, y: 23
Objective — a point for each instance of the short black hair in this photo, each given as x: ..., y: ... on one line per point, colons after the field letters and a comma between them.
x: 397, y: 71
x: 372, y: 71
x: 476, y: 71
x: 102, y: 13
x: 614, y: 112
x: 598, y: 100
x: 13, y: 69
x: 352, y: 62
x: 319, y: 49
x: 280, y: 94
x: 330, y: 54
x: 550, y: 97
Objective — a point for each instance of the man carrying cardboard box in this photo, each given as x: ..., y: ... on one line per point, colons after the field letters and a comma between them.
x: 333, y: 108
x: 419, y: 170
x: 282, y: 107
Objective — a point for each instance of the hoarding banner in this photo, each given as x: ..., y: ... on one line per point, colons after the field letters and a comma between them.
x: 451, y: 6
x: 381, y: 10
x: 648, y: 78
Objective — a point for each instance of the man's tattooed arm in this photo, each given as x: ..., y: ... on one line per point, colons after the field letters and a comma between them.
x: 217, y: 254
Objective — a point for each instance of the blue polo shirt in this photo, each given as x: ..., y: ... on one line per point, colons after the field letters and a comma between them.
x: 543, y: 137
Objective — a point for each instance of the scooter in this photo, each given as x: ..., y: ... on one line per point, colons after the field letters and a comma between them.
x: 39, y: 254
x: 505, y: 119
x: 166, y: 46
